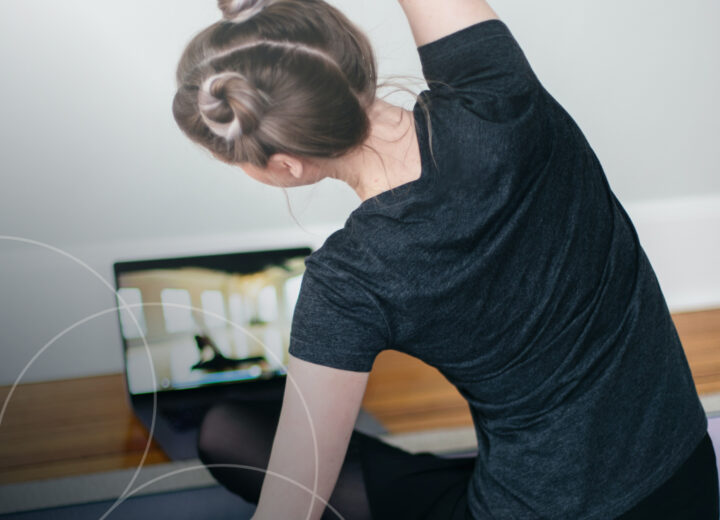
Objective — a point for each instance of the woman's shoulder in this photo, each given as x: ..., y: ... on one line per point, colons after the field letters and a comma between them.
x: 478, y: 74
x: 483, y: 57
x: 360, y: 255
x: 336, y: 258
x: 337, y: 321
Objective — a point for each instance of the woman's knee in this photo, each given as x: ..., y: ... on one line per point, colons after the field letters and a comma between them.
x: 234, y: 442
x: 233, y: 431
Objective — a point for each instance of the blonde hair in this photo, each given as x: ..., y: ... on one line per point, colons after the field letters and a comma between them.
x: 276, y: 76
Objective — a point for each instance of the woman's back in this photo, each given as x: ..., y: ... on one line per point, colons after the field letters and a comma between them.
x: 511, y: 267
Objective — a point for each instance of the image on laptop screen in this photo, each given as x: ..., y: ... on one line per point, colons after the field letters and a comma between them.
x: 207, y: 319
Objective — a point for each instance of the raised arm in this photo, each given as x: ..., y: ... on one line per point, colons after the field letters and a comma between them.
x: 431, y: 20
x: 332, y: 397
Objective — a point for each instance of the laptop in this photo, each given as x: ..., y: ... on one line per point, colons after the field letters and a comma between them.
x: 197, y: 330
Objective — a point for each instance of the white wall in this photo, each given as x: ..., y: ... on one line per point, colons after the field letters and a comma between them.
x: 91, y: 160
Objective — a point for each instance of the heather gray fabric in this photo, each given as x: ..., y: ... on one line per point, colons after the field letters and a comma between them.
x: 512, y: 268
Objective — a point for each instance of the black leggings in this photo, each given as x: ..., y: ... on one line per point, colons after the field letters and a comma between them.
x: 379, y: 481
x: 691, y: 493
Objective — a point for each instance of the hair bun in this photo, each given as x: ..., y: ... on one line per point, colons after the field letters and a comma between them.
x: 241, y: 10
x: 230, y: 106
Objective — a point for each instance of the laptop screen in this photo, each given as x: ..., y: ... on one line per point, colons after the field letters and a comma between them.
x: 207, y: 320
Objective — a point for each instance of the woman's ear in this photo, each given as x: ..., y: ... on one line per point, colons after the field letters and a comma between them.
x: 283, y: 165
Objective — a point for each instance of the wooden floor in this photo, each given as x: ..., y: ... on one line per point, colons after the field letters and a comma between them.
x: 85, y: 425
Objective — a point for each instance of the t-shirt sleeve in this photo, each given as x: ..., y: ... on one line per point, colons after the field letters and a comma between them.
x: 336, y: 322
x: 484, y: 58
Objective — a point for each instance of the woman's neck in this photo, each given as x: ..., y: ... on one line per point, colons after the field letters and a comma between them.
x: 389, y: 157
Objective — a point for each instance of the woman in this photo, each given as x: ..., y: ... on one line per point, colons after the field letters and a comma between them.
x: 488, y: 244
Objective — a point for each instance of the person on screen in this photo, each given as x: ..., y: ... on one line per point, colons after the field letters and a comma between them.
x: 212, y: 359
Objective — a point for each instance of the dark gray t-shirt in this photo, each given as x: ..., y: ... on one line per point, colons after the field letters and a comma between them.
x: 511, y: 267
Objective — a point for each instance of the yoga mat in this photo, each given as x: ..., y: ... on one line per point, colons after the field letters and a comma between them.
x: 190, y: 504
